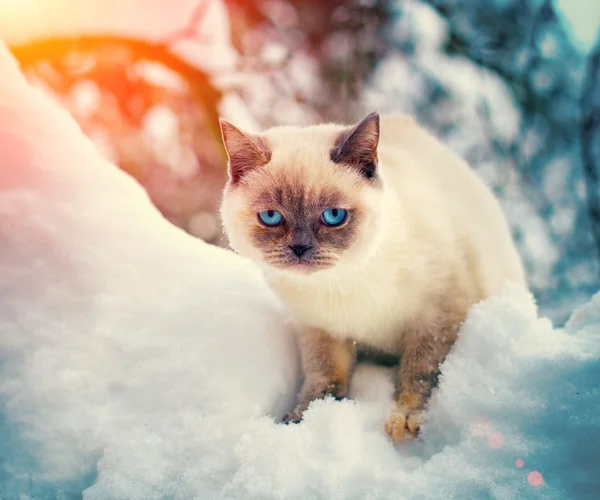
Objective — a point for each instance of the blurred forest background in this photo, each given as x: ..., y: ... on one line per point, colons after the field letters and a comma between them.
x: 503, y: 82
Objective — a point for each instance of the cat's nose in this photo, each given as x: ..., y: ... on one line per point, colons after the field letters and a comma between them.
x: 300, y: 249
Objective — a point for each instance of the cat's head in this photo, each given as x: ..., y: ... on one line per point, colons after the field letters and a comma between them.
x: 304, y: 199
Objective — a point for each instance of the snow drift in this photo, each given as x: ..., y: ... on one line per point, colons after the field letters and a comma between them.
x: 139, y: 363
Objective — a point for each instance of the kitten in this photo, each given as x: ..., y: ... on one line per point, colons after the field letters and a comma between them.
x: 375, y: 235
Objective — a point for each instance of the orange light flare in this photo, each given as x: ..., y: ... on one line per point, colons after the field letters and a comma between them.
x: 22, y: 19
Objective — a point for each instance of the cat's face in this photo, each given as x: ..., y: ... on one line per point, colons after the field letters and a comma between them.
x: 304, y: 200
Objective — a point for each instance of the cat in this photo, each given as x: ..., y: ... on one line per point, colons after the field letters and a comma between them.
x: 374, y: 234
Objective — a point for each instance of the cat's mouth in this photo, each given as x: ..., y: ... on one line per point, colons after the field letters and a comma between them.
x: 303, y: 266
x: 299, y: 266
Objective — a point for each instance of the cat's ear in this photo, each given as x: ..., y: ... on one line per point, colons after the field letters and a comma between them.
x: 245, y: 151
x: 357, y: 146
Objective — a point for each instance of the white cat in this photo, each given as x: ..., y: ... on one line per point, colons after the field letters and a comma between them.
x: 374, y: 235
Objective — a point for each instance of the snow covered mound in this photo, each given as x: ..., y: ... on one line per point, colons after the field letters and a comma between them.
x: 139, y: 363
x: 125, y: 344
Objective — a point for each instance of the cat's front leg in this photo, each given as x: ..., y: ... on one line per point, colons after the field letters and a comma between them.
x: 419, y: 370
x: 326, y: 365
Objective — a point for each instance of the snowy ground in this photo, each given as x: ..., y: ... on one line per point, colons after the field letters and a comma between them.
x: 139, y: 363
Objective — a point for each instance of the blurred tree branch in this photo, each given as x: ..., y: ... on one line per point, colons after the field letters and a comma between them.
x: 541, y: 17
x: 342, y: 38
x: 590, y: 139
x: 193, y: 27
x: 54, y: 49
x: 517, y: 79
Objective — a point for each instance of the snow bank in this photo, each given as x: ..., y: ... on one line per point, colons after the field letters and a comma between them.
x: 139, y: 363
x: 122, y: 339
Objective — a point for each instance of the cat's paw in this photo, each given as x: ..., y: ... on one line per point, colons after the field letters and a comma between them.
x: 312, y: 392
x: 403, y: 422
x: 293, y: 417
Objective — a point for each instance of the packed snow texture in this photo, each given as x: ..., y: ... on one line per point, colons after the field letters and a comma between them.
x: 139, y: 363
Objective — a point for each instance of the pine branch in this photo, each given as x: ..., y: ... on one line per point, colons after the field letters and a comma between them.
x: 590, y: 139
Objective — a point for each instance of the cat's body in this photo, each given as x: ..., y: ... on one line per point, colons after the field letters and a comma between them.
x: 448, y: 242
x: 424, y: 240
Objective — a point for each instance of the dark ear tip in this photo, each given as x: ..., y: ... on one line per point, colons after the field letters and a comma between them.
x: 227, y: 128
x: 372, y: 118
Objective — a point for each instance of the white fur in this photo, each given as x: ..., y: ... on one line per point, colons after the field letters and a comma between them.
x: 440, y: 233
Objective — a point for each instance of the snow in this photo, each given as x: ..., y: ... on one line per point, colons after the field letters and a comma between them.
x: 110, y: 317
x: 137, y: 362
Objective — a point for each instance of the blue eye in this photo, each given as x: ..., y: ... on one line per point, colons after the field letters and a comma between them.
x: 270, y: 217
x: 334, y: 216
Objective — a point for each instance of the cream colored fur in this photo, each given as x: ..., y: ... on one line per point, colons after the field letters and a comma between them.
x: 438, y: 244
